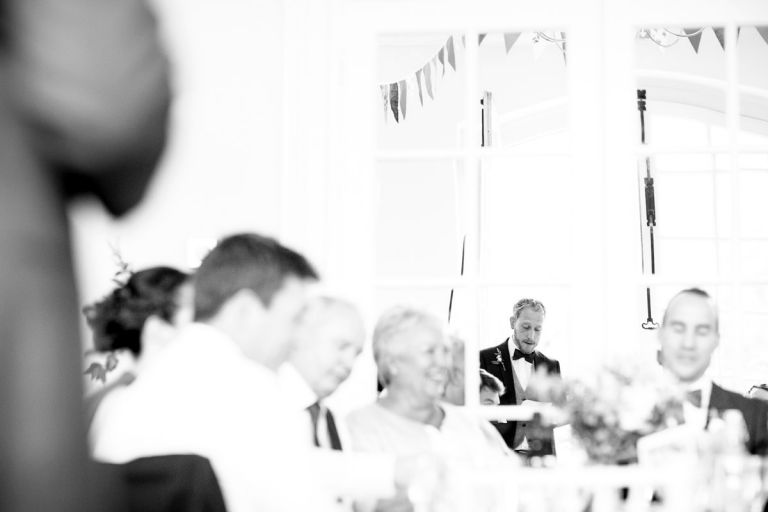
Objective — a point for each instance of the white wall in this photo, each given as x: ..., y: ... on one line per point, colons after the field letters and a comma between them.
x: 221, y: 169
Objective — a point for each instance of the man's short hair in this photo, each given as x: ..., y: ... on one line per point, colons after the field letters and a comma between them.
x: 390, y: 327
x: 245, y: 261
x: 520, y: 305
x: 490, y: 381
x: 698, y: 292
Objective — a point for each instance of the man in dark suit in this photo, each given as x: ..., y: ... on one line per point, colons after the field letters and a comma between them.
x: 688, y: 337
x: 84, y: 98
x: 513, y: 362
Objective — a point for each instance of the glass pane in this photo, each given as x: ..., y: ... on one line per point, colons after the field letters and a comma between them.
x: 527, y: 218
x: 524, y: 74
x: 675, y: 257
x: 421, y: 90
x: 752, y: 50
x: 753, y: 206
x: 685, y: 205
x: 433, y: 300
x: 418, y: 233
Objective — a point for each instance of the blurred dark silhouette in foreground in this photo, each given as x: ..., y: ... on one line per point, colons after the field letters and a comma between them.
x: 84, y: 101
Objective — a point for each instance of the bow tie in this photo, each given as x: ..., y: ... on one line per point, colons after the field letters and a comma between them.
x: 519, y: 355
x: 694, y: 397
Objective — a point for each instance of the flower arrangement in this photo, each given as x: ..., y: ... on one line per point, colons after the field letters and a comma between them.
x: 616, y: 406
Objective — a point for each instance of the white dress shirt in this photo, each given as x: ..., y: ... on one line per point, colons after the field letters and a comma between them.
x: 202, y: 395
x: 523, y: 370
x: 697, y: 416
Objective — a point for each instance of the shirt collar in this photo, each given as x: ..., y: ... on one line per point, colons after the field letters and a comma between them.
x: 511, y: 347
x: 300, y: 394
x: 703, y: 384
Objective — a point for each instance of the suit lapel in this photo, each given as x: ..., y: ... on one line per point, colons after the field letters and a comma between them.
x: 509, y: 379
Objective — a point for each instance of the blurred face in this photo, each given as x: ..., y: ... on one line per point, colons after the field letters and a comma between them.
x: 526, y: 329
x: 273, y: 333
x: 688, y: 337
x: 422, y: 363
x: 328, y: 343
x: 488, y: 396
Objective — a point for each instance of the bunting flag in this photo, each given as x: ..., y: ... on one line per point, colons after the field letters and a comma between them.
x: 393, y: 101
x: 562, y: 48
x: 510, y: 39
x: 418, y: 82
x: 395, y: 95
x: 763, y: 31
x: 403, y: 97
x: 720, y: 35
x: 428, y: 79
x: 694, y: 39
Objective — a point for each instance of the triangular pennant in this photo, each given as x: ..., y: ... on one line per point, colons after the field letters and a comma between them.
x: 538, y: 49
x: 693, y: 39
x: 510, y: 39
x: 480, y: 38
x: 393, y: 100
x: 562, y: 47
x: 763, y: 31
x: 385, y: 98
x: 428, y: 78
x: 441, y: 58
x: 418, y: 82
x: 451, y: 53
x: 435, y: 82
x: 720, y: 35
x: 403, y: 97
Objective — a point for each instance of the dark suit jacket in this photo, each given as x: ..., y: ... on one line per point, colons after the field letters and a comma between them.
x: 540, y: 439
x: 755, y: 414
x: 164, y: 483
x: 84, y: 98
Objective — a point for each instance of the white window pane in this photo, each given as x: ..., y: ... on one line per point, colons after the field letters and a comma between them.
x: 686, y: 257
x: 753, y: 206
x: 432, y: 119
x: 685, y: 205
x: 417, y: 230
x: 527, y: 218
x: 433, y: 300
x: 754, y: 258
x: 526, y: 106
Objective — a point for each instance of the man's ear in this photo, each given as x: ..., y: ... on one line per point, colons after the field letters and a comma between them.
x: 512, y: 322
x: 246, y: 303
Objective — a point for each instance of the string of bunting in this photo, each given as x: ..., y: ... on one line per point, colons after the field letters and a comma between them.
x: 424, y: 81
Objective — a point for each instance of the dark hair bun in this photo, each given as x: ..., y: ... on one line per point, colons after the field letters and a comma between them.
x: 117, y: 319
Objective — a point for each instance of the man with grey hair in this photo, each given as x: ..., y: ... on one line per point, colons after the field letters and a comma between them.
x: 688, y: 337
x: 513, y: 362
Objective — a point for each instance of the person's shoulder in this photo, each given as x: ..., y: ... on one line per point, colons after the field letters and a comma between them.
x: 363, y: 414
x: 548, y: 360
x: 721, y: 395
x: 493, y: 349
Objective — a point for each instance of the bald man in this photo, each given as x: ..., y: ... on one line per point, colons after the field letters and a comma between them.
x: 688, y: 337
x: 328, y: 338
